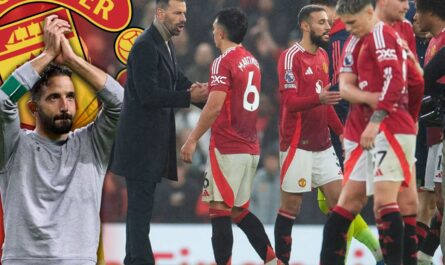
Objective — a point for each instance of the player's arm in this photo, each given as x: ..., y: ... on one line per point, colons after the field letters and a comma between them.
x: 211, y: 111
x: 393, y: 84
x: 296, y: 103
x: 350, y: 92
x: 415, y: 90
x: 334, y: 121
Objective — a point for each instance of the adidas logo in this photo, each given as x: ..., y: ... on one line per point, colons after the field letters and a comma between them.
x: 309, y: 71
x: 378, y: 173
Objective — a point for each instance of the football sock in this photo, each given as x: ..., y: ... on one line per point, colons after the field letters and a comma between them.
x: 421, y: 231
x: 432, y: 240
x: 409, y: 240
x: 283, y: 235
x: 391, y: 233
x: 222, y: 236
x: 256, y: 234
x: 358, y: 229
x: 364, y: 235
x: 333, y: 248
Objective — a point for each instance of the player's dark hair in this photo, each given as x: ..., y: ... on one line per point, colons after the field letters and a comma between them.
x: 352, y: 6
x: 49, y: 72
x: 164, y: 3
x: 436, y: 7
x: 330, y: 3
x: 306, y: 11
x: 234, y: 22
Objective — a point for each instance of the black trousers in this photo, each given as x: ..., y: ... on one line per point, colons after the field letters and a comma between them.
x: 140, y: 196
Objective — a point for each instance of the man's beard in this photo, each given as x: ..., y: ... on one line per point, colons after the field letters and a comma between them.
x: 51, y: 125
x: 318, y: 40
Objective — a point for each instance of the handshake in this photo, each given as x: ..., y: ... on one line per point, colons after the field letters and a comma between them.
x: 199, y: 92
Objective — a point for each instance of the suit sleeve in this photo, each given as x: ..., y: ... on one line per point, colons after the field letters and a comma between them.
x: 390, y: 60
x: 143, y: 75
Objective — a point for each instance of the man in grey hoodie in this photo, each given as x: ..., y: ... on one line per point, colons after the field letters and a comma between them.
x: 51, y: 178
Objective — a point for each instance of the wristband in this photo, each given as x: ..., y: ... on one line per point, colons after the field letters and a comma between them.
x: 13, y: 88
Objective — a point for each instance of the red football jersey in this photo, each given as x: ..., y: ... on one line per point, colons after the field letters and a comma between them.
x: 405, y: 30
x: 382, y: 67
x: 357, y: 120
x: 302, y: 76
x: 435, y: 134
x: 237, y: 73
x: 415, y: 77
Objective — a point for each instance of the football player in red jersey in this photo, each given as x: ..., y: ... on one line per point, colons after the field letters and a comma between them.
x: 307, y: 157
x: 392, y: 12
x: 375, y: 63
x: 231, y: 112
x: 431, y: 18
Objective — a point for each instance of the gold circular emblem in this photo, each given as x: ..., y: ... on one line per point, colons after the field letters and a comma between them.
x: 302, y: 182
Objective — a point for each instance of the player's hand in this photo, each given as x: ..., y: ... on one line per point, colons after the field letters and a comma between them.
x: 187, y: 150
x: 53, y: 30
x: 329, y: 97
x: 342, y: 142
x: 199, y: 92
x: 368, y: 136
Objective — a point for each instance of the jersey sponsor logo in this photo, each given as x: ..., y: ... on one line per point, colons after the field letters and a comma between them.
x: 309, y: 71
x: 318, y: 86
x: 386, y: 55
x: 302, y: 182
x: 349, y: 60
x: 289, y: 77
x: 289, y: 86
x: 218, y: 80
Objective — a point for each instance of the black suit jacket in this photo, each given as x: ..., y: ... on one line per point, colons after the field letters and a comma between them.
x: 145, y: 144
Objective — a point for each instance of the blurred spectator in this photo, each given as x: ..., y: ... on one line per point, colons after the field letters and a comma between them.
x: 176, y: 202
x: 182, y: 49
x: 265, y: 198
x: 200, y: 69
x: 114, y: 201
x: 266, y: 50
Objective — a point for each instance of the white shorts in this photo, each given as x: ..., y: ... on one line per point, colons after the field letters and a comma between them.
x: 433, y: 170
x: 309, y: 170
x: 386, y: 164
x: 229, y: 178
x: 358, y: 164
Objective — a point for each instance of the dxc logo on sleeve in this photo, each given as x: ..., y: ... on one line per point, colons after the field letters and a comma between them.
x: 386, y: 54
x: 218, y: 80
